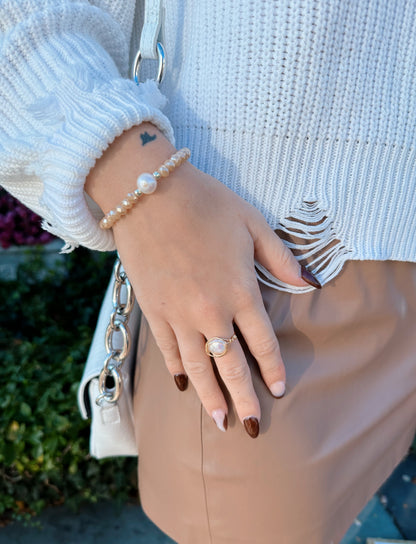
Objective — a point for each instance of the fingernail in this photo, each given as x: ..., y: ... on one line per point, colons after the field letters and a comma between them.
x: 251, y: 425
x: 181, y: 381
x: 221, y: 419
x: 278, y: 389
x: 309, y: 278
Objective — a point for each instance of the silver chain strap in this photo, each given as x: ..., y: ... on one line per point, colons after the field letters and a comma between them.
x: 110, y: 381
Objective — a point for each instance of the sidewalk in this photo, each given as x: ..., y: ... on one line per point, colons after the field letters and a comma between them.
x: 391, y: 513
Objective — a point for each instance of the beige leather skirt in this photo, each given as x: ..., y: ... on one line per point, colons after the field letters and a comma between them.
x: 347, y: 419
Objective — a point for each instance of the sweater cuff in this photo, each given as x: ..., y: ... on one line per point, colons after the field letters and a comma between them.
x: 66, y: 158
x: 84, y: 112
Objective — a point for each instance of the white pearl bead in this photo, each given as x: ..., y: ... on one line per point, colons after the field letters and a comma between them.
x: 217, y: 347
x: 146, y: 183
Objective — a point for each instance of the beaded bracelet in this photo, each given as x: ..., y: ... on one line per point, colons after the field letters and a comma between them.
x: 146, y: 185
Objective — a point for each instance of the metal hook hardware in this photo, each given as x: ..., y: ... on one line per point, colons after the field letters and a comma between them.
x: 161, y: 55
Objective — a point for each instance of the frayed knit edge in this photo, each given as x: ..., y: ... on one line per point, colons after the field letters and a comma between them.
x: 68, y: 246
x: 312, y: 239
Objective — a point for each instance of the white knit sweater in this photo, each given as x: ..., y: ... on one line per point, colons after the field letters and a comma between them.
x: 306, y: 108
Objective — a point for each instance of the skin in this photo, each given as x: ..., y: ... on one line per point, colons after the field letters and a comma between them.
x: 189, y: 251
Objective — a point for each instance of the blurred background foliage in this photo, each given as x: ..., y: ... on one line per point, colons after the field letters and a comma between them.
x: 18, y: 224
x: 46, y: 326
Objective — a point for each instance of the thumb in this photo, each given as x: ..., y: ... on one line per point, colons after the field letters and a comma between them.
x: 273, y: 254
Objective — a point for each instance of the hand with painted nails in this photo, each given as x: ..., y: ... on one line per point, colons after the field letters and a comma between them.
x: 189, y: 252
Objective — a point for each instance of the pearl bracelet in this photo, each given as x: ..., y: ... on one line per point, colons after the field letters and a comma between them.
x: 146, y: 185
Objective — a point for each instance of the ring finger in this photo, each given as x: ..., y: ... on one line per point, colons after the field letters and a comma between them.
x: 198, y: 366
x: 235, y: 372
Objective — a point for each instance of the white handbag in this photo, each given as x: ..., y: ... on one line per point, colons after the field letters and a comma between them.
x: 105, y: 392
x: 106, y: 389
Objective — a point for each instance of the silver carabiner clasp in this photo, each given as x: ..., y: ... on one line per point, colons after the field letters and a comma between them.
x: 112, y: 394
x: 161, y: 55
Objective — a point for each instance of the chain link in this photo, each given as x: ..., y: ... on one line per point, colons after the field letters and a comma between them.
x: 110, y: 383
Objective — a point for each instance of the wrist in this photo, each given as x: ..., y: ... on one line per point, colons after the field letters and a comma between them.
x: 141, y: 149
x: 146, y: 183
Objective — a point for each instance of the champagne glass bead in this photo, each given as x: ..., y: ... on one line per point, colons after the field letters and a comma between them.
x: 170, y: 165
x: 113, y: 215
x: 163, y: 171
x: 131, y: 197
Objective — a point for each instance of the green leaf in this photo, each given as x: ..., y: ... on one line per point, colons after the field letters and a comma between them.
x: 25, y: 409
x: 9, y: 453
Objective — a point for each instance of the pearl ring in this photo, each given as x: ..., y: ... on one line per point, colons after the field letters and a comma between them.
x: 217, y: 346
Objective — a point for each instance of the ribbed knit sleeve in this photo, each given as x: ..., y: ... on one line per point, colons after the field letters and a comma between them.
x: 64, y: 97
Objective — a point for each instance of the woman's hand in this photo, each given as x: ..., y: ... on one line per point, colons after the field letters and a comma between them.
x: 188, y: 250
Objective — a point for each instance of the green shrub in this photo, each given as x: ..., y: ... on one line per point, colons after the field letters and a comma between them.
x: 45, y: 330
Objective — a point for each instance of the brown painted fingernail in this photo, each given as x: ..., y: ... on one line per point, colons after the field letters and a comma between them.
x: 251, y: 425
x: 309, y: 278
x: 181, y: 381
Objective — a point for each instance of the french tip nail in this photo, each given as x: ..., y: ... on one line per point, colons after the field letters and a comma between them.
x: 181, y: 381
x: 309, y: 278
x: 221, y: 419
x: 278, y: 389
x: 251, y: 425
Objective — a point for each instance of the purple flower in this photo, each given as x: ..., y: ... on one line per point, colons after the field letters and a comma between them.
x: 18, y: 224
